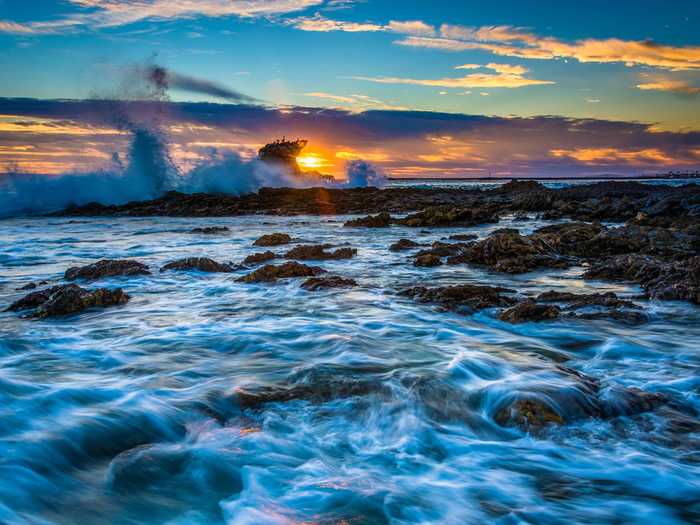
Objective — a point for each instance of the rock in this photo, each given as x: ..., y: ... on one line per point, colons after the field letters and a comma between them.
x: 69, y: 299
x: 521, y: 217
x: 576, y: 301
x: 317, y: 251
x: 382, y: 220
x: 270, y: 272
x: 260, y: 257
x: 630, y: 317
x: 443, y: 249
x: 106, y: 268
x: 32, y: 286
x: 463, y: 237
x: 529, y: 310
x: 528, y: 414
x: 427, y: 260
x: 403, y: 244
x: 210, y: 230
x: 466, y: 298
x: 332, y: 281
x: 283, y: 153
x: 450, y: 216
x: 203, y: 264
x: 273, y: 239
x: 509, y: 252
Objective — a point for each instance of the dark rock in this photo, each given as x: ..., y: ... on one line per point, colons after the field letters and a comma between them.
x: 382, y: 220
x: 107, y: 268
x: 203, y: 264
x: 32, y: 286
x: 521, y: 217
x: 270, y: 272
x: 273, y: 239
x: 318, y: 251
x: 450, y: 216
x: 69, y: 299
x: 529, y: 310
x: 464, y: 298
x: 463, y: 237
x: 258, y: 258
x: 403, y: 244
x: 443, y: 249
x: 630, y: 317
x: 210, y: 230
x: 576, y: 301
x: 332, y: 281
x: 427, y: 260
x: 528, y: 414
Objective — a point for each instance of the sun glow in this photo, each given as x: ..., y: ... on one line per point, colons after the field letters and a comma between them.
x: 312, y: 161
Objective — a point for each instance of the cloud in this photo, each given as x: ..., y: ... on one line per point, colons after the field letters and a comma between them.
x: 675, y: 86
x: 603, y: 156
x: 320, y: 23
x: 507, y: 76
x: 355, y: 102
x: 517, y: 42
x: 112, y: 13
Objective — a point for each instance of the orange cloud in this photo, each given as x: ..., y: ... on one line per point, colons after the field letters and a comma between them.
x: 676, y: 86
x: 612, y: 155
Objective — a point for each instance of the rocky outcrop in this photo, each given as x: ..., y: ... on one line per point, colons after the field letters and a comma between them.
x: 106, y: 268
x: 68, y: 299
x: 270, y: 272
x: 273, y: 239
x: 381, y: 220
x: 258, y: 258
x: 202, y: 264
x: 331, y: 281
x: 403, y: 244
x: 452, y: 216
x: 464, y: 298
x: 318, y: 251
x: 211, y: 230
x: 529, y: 310
x: 427, y: 260
x: 283, y: 153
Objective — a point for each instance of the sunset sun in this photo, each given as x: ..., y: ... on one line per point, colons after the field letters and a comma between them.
x: 311, y: 161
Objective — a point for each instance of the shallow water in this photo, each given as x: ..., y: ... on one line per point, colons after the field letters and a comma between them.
x: 130, y: 414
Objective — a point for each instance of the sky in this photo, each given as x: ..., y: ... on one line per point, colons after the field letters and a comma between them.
x: 421, y: 88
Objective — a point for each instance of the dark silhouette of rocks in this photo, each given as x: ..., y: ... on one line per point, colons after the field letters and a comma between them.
x: 318, y: 252
x: 273, y: 239
x: 106, y: 268
x: 202, y: 264
x: 427, y: 260
x: 68, y: 299
x: 463, y: 298
x: 270, y: 272
x: 331, y: 281
x: 211, y: 230
x: 529, y: 310
x: 381, y: 220
x: 258, y: 258
x: 403, y: 244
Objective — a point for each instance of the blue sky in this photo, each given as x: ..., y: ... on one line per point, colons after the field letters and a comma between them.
x: 624, y: 61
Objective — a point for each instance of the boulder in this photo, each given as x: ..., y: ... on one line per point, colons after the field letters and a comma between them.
x: 69, y: 299
x: 464, y: 298
x: 270, y: 272
x: 331, y: 281
x: 318, y: 251
x: 258, y: 258
x: 381, y: 220
x: 273, y: 239
x: 106, y: 268
x: 403, y: 244
x: 529, y: 310
x: 203, y: 264
x: 427, y: 260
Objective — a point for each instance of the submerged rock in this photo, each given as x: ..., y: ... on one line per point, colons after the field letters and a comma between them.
x: 427, y: 260
x: 463, y: 237
x: 381, y: 220
x: 107, y: 268
x: 318, y: 251
x: 273, y: 239
x: 203, y: 264
x: 403, y: 244
x: 464, y: 297
x: 575, y: 301
x: 211, y: 230
x: 332, y: 281
x: 529, y: 310
x: 527, y: 414
x: 270, y: 272
x: 259, y: 257
x: 68, y: 299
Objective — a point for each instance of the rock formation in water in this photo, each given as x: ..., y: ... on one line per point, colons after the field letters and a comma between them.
x: 283, y: 153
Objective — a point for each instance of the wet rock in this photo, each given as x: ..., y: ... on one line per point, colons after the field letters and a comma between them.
x: 69, y: 299
x: 107, y: 268
x: 509, y: 252
x: 567, y: 238
x: 452, y: 216
x: 211, y: 230
x: 575, y: 301
x: 332, y: 281
x: 318, y: 252
x: 521, y: 217
x: 528, y: 414
x: 443, y: 249
x: 202, y: 264
x: 463, y: 237
x: 403, y: 244
x: 32, y: 286
x: 427, y: 260
x: 273, y: 239
x: 463, y: 298
x: 259, y: 257
x: 527, y: 311
x: 270, y: 272
x: 381, y: 220
x: 630, y: 317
